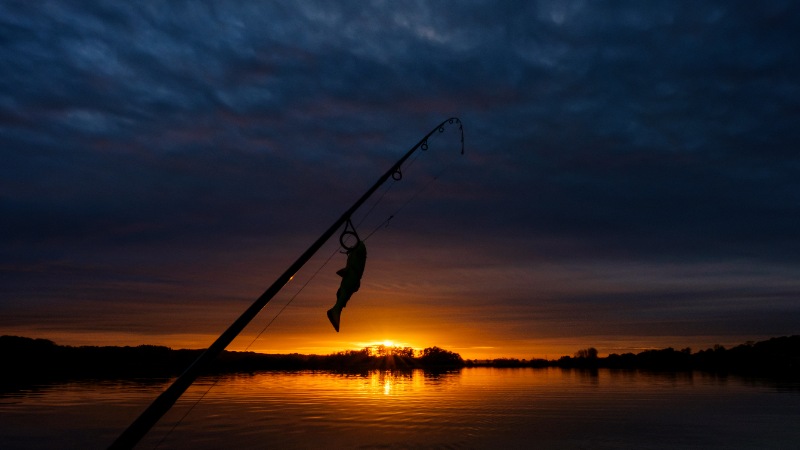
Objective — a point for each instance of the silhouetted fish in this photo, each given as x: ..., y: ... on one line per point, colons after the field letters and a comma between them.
x: 351, y: 281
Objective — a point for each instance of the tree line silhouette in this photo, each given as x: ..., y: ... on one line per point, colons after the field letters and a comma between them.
x: 26, y: 359
x: 778, y: 356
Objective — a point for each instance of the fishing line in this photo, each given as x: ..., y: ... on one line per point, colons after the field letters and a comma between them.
x: 219, y: 376
x: 314, y: 275
x: 375, y: 203
x: 410, y: 163
x: 388, y: 188
x: 385, y: 223
x: 175, y: 425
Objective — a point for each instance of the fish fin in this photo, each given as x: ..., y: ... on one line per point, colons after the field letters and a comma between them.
x: 333, y: 316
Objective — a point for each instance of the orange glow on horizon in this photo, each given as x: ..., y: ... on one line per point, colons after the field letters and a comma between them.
x: 389, y: 343
x: 326, y: 342
x: 323, y: 343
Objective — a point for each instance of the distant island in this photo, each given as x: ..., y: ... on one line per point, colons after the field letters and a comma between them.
x: 27, y: 359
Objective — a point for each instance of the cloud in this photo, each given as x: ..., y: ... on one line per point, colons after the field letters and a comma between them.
x: 595, y: 133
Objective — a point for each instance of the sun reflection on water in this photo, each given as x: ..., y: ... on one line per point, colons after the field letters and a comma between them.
x: 387, y: 386
x: 388, y: 383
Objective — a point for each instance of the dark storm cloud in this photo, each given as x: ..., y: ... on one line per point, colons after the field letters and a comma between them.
x: 666, y: 127
x: 662, y: 132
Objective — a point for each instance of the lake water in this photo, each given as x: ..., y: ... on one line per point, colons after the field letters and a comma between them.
x: 471, y: 408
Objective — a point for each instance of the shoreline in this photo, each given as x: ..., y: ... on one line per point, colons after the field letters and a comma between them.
x: 28, y: 359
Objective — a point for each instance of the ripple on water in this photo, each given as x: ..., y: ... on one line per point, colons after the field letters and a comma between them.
x: 473, y: 408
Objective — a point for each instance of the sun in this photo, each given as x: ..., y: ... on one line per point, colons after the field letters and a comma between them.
x: 389, y: 343
x: 385, y: 343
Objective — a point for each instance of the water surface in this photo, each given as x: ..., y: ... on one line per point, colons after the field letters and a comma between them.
x: 471, y: 408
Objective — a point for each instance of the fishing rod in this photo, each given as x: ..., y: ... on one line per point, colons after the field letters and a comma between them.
x: 136, y: 431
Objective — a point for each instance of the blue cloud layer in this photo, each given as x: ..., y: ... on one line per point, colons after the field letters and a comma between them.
x: 662, y: 132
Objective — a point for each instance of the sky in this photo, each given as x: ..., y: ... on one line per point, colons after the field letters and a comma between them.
x: 629, y: 177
